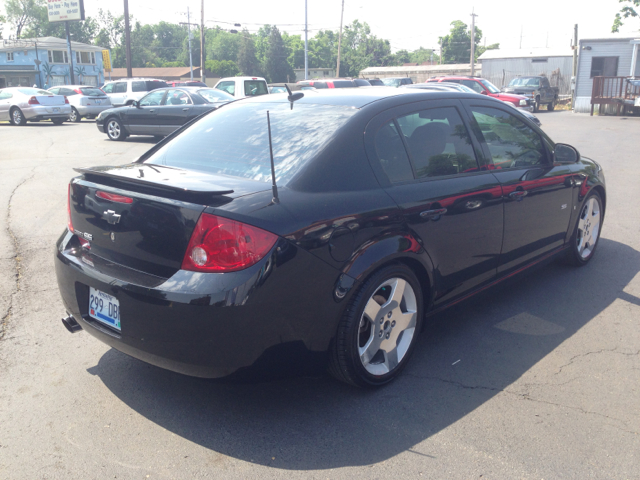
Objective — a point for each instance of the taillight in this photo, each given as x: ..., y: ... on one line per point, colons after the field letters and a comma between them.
x: 113, y: 197
x: 77, y: 90
x: 34, y: 101
x: 69, y: 223
x: 66, y: 100
x: 221, y: 245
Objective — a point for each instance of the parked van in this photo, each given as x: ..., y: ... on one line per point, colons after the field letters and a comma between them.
x: 241, y: 87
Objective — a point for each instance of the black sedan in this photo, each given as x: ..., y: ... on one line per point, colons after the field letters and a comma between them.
x: 160, y: 112
x: 323, y: 227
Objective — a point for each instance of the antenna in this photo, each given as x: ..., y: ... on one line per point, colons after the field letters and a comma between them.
x: 274, y: 187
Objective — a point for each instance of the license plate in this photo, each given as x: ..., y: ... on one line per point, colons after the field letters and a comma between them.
x: 104, y: 308
x: 98, y: 102
x: 56, y: 109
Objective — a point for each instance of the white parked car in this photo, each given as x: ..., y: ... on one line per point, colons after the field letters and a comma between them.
x: 128, y: 90
x: 86, y: 100
x: 21, y: 104
x: 241, y: 87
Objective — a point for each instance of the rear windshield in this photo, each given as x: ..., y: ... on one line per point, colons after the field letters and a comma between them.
x: 255, y: 87
x: 343, y: 84
x: 92, y: 91
x: 234, y: 139
x: 34, y: 91
x: 214, y: 96
x: 391, y: 82
x: 147, y: 86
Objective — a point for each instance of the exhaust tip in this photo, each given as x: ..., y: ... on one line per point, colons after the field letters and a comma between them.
x: 71, y: 324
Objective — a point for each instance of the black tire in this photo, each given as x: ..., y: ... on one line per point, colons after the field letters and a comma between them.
x: 583, y: 245
x: 114, y: 129
x: 57, y: 121
x: 358, y: 334
x: 75, y: 116
x: 551, y: 106
x: 536, y: 104
x: 16, y: 117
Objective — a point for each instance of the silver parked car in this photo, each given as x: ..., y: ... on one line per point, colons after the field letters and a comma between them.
x: 86, y: 100
x: 21, y: 104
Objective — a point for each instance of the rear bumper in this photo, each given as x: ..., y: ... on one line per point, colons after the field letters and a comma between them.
x: 42, y: 112
x: 206, y: 325
x: 93, y: 110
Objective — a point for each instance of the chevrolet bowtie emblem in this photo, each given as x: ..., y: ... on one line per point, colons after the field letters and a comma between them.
x: 112, y: 217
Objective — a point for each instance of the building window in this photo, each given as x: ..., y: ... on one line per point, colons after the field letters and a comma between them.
x: 86, y: 58
x: 604, y: 67
x: 9, y: 56
x: 58, y: 56
x: 539, y: 60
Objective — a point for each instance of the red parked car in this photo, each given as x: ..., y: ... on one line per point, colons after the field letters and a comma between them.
x: 485, y: 87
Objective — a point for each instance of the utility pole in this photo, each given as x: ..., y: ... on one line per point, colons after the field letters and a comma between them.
x: 473, y: 43
x: 189, y: 35
x: 71, y: 77
x: 127, y: 38
x: 441, y: 53
x: 202, y: 75
x: 574, y: 71
x: 340, y: 40
x: 520, y: 37
x: 306, y: 56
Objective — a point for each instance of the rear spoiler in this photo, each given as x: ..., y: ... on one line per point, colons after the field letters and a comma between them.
x: 170, y: 179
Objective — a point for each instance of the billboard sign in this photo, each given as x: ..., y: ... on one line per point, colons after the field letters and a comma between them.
x: 106, y: 61
x: 65, y: 10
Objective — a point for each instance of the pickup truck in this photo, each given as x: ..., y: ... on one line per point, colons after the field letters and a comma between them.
x: 241, y: 87
x: 537, y: 89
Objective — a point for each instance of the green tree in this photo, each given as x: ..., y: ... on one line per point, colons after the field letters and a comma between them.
x: 222, y: 68
x: 22, y: 13
x: 360, y: 50
x: 480, y: 49
x: 111, y: 35
x: 276, y: 66
x: 456, y: 47
x: 222, y: 45
x: 625, y: 12
x: 424, y: 55
x: 3, y: 20
x: 247, y: 61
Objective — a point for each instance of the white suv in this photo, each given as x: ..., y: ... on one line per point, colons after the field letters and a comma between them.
x: 127, y: 90
x: 241, y: 87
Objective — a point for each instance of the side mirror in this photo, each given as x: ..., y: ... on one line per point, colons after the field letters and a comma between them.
x: 484, y: 92
x: 135, y: 104
x: 565, y: 154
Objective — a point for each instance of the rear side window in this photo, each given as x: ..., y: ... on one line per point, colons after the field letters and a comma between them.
x: 234, y: 140
x: 473, y: 85
x: 153, y: 84
x: 343, y: 84
x: 120, y: 87
x: 392, y: 154
x: 229, y: 87
x: 255, y: 87
x: 138, y: 86
x: 92, y: 92
x: 439, y: 143
x: 511, y: 143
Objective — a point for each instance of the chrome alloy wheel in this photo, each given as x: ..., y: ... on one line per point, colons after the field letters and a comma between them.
x: 113, y: 129
x: 16, y: 116
x: 387, y: 326
x: 588, y: 227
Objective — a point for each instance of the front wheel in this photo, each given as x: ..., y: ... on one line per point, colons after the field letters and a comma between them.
x: 551, y: 106
x: 379, y: 329
x: 75, y: 116
x: 587, y: 232
x: 17, y: 117
x: 536, y: 105
x: 115, y: 130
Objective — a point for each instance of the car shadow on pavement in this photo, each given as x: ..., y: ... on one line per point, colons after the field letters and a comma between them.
x: 317, y: 423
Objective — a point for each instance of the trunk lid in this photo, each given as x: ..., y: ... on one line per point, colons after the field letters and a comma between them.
x: 50, y: 100
x: 148, y: 223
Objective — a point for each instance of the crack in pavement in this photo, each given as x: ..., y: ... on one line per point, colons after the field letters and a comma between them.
x: 16, y: 257
x: 611, y: 350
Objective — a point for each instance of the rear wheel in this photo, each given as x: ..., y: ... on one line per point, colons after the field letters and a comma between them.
x: 75, y: 116
x: 551, y: 106
x: 536, y: 104
x: 379, y: 329
x: 57, y: 121
x: 587, y: 232
x: 16, y: 117
x: 115, y: 130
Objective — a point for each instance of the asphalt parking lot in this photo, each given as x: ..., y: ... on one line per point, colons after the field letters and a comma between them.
x: 538, y: 379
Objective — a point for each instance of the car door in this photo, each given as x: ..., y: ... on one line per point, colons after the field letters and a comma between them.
x: 545, y: 90
x: 174, y: 111
x: 142, y: 119
x: 119, y: 95
x: 5, y: 104
x: 537, y: 193
x: 426, y: 160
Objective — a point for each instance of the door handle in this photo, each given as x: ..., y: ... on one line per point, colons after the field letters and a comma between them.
x: 152, y: 111
x: 185, y: 109
x: 518, y: 195
x: 433, y: 213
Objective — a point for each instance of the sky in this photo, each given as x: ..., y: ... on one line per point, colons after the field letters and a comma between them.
x: 407, y: 24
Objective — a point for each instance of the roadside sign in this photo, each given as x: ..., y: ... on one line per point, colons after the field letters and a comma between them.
x: 65, y: 10
x: 106, y: 60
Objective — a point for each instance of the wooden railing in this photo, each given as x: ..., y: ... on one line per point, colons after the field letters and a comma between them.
x: 613, y: 91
